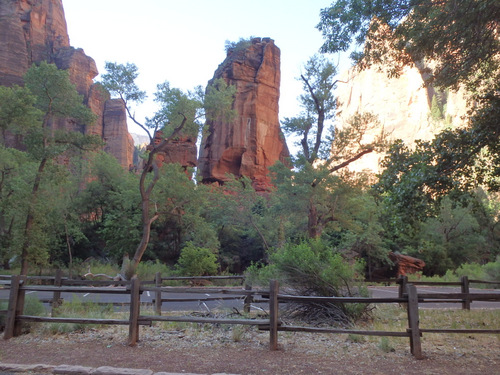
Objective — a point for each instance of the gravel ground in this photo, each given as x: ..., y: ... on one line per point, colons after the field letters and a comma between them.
x: 245, y: 350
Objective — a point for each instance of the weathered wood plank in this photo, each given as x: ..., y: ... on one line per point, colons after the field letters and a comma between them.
x: 69, y: 289
x: 465, y: 290
x: 10, y: 320
x: 288, y: 297
x: 413, y: 322
x: 273, y: 315
x: 341, y: 331
x: 461, y: 296
x: 192, y: 319
x: 158, y: 300
x: 47, y: 319
x: 235, y: 291
x: 135, y: 301
x: 446, y: 330
x: 204, y: 299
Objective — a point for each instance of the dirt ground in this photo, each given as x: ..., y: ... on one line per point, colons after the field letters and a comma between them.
x: 245, y: 350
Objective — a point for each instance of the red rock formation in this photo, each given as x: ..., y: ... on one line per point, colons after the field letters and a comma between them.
x: 31, y: 31
x: 181, y: 150
x: 253, y: 142
x: 35, y: 30
x: 406, y: 264
x: 114, y: 117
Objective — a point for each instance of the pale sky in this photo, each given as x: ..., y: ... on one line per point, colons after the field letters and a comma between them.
x: 182, y: 41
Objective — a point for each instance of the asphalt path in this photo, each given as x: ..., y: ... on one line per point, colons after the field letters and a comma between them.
x: 219, y: 301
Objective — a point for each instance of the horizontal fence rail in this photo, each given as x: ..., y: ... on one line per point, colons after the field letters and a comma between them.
x: 408, y: 296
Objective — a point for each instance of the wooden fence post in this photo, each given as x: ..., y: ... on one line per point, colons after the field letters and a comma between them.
x: 248, y: 299
x: 10, y: 320
x: 21, y: 295
x: 413, y: 322
x: 465, y: 289
x: 135, y: 301
x: 403, y: 281
x: 158, y: 293
x: 56, y: 298
x: 273, y: 314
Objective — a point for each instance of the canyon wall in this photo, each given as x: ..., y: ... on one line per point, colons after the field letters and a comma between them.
x: 35, y: 30
x: 251, y: 143
x: 402, y: 104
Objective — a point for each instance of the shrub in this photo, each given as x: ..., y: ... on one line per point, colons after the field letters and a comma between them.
x: 34, y: 307
x: 241, y: 44
x: 76, y: 308
x: 197, y: 261
x: 492, y: 270
x: 312, y: 268
x: 147, y: 270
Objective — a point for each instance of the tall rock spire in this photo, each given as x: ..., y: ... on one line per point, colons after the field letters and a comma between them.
x: 250, y: 144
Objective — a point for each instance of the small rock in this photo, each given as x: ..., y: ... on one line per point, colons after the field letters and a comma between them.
x: 73, y: 370
x: 106, y: 370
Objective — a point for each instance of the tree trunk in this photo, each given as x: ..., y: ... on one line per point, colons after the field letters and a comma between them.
x: 312, y: 221
x: 30, y: 217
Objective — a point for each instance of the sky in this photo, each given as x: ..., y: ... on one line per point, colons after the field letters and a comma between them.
x: 182, y: 41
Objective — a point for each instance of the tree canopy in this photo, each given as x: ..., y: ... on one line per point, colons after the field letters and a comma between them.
x: 461, y: 36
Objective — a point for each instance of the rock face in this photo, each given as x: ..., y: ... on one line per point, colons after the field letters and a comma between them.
x: 114, y: 117
x: 403, y: 106
x: 253, y: 142
x: 405, y: 264
x: 35, y: 30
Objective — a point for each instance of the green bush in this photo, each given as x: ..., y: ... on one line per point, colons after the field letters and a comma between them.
x: 473, y: 271
x: 33, y: 306
x: 197, y: 261
x: 312, y: 268
x: 492, y: 270
x: 147, y: 270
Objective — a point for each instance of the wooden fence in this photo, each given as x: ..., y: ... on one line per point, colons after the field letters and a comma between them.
x: 134, y: 288
x: 465, y: 297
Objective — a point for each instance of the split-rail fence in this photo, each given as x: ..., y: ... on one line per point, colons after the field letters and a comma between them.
x: 407, y: 295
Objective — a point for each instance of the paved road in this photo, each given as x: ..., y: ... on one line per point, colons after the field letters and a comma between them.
x: 204, y: 306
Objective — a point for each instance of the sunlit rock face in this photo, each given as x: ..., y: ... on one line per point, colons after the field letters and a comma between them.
x: 35, y: 30
x: 180, y: 150
x: 402, y: 104
x: 251, y: 143
x: 116, y: 144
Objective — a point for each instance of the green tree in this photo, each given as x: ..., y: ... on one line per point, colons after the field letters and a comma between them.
x: 17, y: 111
x: 461, y: 37
x: 180, y: 113
x: 325, y: 154
x: 197, y: 261
x: 318, y: 103
x: 110, y: 207
x: 16, y: 173
x: 244, y: 222
x: 56, y: 97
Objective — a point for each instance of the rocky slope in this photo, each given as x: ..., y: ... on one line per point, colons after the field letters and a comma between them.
x: 250, y: 144
x: 35, y: 30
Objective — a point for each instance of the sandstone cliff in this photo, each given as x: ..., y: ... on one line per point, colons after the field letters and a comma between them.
x: 403, y: 106
x: 253, y: 142
x: 35, y: 30
x: 181, y: 150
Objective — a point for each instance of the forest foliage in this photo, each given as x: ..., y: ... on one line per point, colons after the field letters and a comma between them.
x: 435, y: 200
